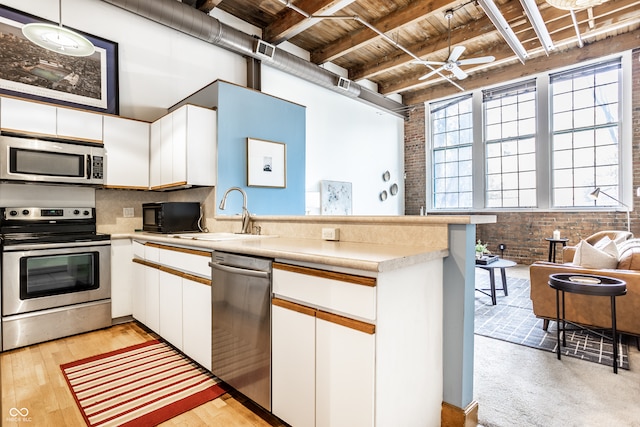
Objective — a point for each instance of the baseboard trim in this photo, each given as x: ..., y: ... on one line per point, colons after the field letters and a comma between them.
x: 452, y: 416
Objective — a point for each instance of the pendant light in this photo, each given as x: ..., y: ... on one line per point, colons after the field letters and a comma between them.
x: 58, y: 39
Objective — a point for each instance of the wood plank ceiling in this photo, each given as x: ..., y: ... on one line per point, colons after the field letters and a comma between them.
x: 378, y: 40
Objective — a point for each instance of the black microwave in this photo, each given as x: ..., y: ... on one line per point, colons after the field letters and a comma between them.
x: 170, y: 217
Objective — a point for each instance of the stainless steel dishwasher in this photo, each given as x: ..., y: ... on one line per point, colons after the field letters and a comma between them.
x: 241, y: 324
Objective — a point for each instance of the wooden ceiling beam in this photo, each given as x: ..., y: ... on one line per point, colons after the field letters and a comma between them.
x: 291, y: 22
x: 207, y: 6
x: 354, y: 40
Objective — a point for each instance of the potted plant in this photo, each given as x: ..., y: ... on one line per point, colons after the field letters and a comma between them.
x: 481, y: 249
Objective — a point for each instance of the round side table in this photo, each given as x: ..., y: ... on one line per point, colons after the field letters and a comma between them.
x: 587, y: 284
x: 552, y: 246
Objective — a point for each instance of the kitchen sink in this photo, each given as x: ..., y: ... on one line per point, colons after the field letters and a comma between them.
x: 216, y: 236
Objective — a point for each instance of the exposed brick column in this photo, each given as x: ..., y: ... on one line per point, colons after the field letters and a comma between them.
x: 414, y: 161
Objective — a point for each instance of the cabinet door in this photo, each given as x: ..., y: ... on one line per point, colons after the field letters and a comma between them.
x: 170, y: 308
x: 201, y: 146
x: 152, y: 298
x: 138, y: 289
x: 344, y: 376
x: 179, y: 146
x: 127, y: 145
x: 293, y: 366
x: 166, y: 150
x: 27, y: 117
x: 80, y: 125
x: 196, y: 321
x: 121, y: 278
x: 155, y: 144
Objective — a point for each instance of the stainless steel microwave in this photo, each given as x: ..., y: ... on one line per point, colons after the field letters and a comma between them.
x: 24, y: 159
x: 171, y: 217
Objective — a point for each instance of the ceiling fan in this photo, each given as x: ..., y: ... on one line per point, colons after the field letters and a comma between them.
x: 453, y: 62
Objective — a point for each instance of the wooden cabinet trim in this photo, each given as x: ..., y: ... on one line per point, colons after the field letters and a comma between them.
x: 179, y: 249
x: 343, y: 277
x: 173, y: 271
x: 294, y: 306
x: 172, y: 185
x: 357, y: 325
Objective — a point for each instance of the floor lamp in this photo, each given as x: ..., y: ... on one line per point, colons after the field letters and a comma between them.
x: 594, y: 195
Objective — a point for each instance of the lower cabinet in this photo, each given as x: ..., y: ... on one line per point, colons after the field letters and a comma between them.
x: 174, y: 303
x: 323, y: 367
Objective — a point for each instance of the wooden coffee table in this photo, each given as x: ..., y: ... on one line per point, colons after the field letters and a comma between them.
x: 501, y: 264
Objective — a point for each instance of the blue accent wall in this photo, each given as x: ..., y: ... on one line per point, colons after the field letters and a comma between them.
x: 244, y: 113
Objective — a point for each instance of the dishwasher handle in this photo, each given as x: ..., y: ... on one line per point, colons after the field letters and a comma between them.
x: 236, y: 270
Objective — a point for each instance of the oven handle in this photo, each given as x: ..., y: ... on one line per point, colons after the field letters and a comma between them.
x: 41, y: 246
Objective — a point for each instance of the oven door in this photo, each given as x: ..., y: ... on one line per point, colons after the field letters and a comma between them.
x: 42, y: 276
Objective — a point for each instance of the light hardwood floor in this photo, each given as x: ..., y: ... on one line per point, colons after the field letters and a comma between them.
x: 31, y: 378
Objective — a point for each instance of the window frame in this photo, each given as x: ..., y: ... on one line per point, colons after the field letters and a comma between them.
x: 543, y: 145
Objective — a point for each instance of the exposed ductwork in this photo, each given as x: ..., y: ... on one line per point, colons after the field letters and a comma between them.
x: 186, y: 19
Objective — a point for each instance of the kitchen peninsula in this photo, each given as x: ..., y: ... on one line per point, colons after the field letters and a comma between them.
x: 416, y: 365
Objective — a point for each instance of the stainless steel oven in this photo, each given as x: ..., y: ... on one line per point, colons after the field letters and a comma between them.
x: 55, y: 274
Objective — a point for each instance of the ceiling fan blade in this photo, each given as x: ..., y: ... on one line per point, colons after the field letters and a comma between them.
x: 460, y: 75
x: 455, y: 53
x: 428, y: 62
x: 426, y: 76
x: 478, y: 60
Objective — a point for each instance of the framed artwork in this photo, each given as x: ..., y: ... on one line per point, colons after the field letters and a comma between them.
x: 32, y: 72
x: 266, y: 163
x: 335, y: 198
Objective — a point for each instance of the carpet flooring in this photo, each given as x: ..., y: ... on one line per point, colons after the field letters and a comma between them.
x: 512, y: 320
x: 141, y: 385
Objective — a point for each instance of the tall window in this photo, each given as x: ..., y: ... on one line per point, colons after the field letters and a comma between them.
x: 586, y: 111
x: 510, y: 145
x: 452, y: 140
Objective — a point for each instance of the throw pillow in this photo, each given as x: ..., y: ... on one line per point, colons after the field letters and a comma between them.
x: 603, y: 256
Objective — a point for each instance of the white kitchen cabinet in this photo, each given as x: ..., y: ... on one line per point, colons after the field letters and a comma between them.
x: 196, y: 321
x: 323, y: 363
x: 293, y: 366
x: 38, y: 119
x: 345, y: 373
x: 138, y: 293
x: 183, y: 149
x: 176, y: 296
x: 121, y: 274
x: 152, y: 298
x: 27, y: 117
x: 79, y: 125
x: 126, y: 143
x: 170, y: 308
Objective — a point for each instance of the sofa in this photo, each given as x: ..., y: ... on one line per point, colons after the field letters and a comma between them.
x: 592, y: 311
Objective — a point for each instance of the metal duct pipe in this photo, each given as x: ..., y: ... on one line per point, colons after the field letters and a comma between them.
x: 186, y: 19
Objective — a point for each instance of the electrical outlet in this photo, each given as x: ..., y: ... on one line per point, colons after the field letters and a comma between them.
x: 127, y: 212
x: 331, y: 233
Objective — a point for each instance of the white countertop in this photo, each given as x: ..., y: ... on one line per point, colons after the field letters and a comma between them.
x: 360, y: 256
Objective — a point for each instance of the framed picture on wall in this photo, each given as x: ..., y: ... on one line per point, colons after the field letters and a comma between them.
x: 266, y: 163
x: 335, y: 198
x: 32, y: 72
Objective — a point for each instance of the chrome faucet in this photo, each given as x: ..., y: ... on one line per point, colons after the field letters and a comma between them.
x: 246, y: 216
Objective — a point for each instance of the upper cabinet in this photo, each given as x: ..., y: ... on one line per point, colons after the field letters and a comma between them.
x: 126, y: 143
x: 36, y: 119
x: 183, y: 149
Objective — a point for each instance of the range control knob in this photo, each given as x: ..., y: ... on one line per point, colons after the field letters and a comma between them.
x: 13, y: 213
x: 76, y: 212
x: 25, y: 212
x: 86, y: 213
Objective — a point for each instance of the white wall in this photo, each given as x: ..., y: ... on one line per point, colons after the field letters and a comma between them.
x: 346, y: 139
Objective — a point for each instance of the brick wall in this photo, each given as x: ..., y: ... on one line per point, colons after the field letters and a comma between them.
x: 524, y: 232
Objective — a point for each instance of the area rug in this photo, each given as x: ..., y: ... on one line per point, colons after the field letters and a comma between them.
x: 141, y: 385
x: 512, y: 320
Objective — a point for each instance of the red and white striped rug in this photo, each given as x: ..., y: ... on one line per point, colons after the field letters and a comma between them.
x: 141, y: 385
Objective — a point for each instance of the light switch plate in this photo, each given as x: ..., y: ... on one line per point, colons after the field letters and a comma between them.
x: 127, y: 212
